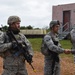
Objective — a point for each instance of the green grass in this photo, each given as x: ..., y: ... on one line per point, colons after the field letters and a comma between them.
x: 36, y: 44
x: 66, y: 44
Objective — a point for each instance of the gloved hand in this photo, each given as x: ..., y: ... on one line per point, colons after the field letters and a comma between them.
x: 67, y: 51
x: 29, y: 58
x: 14, y: 45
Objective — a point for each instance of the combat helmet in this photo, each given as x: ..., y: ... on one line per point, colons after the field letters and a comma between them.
x: 53, y: 23
x: 13, y: 19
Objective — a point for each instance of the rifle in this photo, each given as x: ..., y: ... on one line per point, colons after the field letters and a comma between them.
x: 21, y: 49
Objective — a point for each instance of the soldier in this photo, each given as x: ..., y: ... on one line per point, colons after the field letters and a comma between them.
x: 51, y: 49
x: 72, y: 39
x: 13, y: 65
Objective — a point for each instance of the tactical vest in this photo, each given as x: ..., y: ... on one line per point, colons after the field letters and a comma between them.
x: 45, y: 51
x: 9, y: 39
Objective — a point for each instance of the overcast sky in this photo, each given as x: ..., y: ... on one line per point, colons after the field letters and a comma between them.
x: 37, y: 13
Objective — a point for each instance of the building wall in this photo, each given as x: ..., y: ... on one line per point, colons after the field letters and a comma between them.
x: 57, y: 12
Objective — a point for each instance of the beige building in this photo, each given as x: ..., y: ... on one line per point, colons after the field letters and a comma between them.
x: 34, y: 33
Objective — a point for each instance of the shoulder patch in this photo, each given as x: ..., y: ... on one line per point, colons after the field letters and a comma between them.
x: 47, y: 39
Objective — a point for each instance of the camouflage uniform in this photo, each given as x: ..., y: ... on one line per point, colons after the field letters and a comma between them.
x: 72, y: 39
x: 51, y: 49
x: 13, y: 65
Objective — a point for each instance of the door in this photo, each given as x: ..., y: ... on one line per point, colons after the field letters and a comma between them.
x: 66, y: 20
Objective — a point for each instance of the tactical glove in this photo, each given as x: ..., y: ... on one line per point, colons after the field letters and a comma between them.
x: 14, y: 45
x: 29, y: 58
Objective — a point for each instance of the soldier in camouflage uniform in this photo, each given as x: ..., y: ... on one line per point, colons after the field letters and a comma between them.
x: 13, y: 65
x: 72, y: 39
x: 51, y: 49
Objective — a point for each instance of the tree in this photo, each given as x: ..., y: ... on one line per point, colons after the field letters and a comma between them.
x: 22, y: 27
x: 29, y: 27
x: 5, y: 28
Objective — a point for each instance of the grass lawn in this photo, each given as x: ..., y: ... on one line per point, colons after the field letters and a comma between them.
x: 66, y: 44
x: 36, y: 44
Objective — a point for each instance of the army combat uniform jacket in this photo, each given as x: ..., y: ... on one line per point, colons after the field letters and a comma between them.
x: 72, y: 39
x: 13, y: 65
x: 51, y: 49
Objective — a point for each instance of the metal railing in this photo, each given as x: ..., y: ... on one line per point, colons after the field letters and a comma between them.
x: 64, y: 29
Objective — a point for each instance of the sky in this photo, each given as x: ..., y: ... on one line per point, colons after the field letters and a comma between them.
x: 37, y: 13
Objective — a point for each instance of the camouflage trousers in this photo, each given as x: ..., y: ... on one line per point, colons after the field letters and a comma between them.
x: 13, y: 70
x: 48, y: 68
x: 7, y: 72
